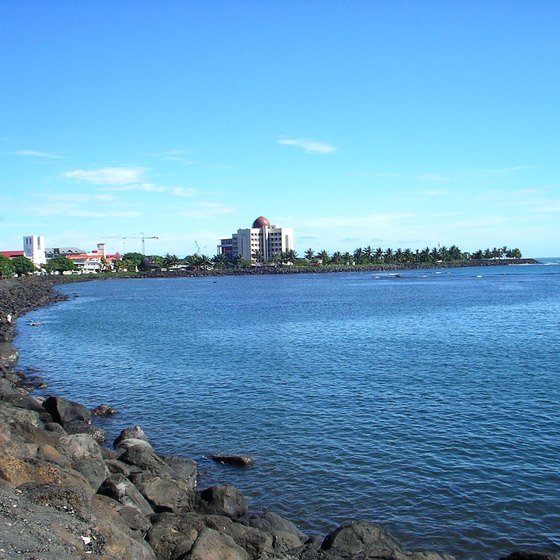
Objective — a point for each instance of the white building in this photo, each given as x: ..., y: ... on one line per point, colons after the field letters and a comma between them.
x: 258, y: 243
x: 34, y: 249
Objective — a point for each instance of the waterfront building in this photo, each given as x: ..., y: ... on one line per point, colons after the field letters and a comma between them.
x: 34, y: 249
x: 258, y: 244
x: 93, y: 261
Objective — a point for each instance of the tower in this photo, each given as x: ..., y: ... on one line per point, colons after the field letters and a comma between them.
x: 34, y: 249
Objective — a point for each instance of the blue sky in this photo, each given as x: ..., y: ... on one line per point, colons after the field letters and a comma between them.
x: 385, y: 123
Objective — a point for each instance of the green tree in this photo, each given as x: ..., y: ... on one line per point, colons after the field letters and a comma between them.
x: 170, y: 260
x: 152, y: 262
x: 309, y: 254
x: 136, y: 258
x: 359, y: 256
x: 240, y: 262
x: 388, y: 256
x: 22, y: 266
x: 336, y: 257
x: 60, y: 264
x: 6, y: 267
x: 219, y: 261
x: 290, y: 256
x: 323, y: 256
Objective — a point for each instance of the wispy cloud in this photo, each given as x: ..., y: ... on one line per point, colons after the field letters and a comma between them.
x: 381, y: 219
x: 107, y: 175
x: 183, y: 191
x: 414, y: 177
x: 145, y: 187
x: 37, y: 154
x: 152, y: 188
x: 80, y: 205
x: 435, y: 192
x: 203, y: 210
x: 309, y: 146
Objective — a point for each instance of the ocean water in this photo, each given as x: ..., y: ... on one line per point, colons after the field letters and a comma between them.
x: 428, y: 402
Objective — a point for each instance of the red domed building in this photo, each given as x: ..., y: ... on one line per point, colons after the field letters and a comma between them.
x: 259, y: 244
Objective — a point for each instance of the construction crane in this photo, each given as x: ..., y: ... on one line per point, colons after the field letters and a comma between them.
x: 142, y: 237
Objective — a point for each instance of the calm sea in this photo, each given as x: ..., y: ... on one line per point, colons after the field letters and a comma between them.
x: 428, y: 402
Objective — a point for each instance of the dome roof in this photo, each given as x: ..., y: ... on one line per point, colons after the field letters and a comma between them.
x: 261, y: 222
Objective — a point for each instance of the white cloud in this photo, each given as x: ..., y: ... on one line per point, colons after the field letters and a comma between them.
x: 146, y: 187
x: 435, y: 192
x: 183, y: 191
x: 151, y: 187
x: 107, y: 175
x: 382, y: 219
x: 419, y: 177
x: 37, y: 154
x: 310, y: 146
x: 203, y: 210
x: 80, y: 205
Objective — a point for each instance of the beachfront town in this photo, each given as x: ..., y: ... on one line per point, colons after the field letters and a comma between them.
x: 262, y: 243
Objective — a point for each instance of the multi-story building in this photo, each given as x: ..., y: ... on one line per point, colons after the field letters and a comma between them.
x: 34, y: 249
x: 259, y: 243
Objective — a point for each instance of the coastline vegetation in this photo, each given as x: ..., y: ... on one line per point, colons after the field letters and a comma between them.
x: 362, y: 257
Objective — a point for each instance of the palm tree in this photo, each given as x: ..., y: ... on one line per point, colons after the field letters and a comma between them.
x: 336, y: 257
x: 388, y: 256
x: 367, y: 254
x: 219, y: 261
x: 348, y: 258
x: 309, y: 254
x: 425, y: 255
x: 290, y: 256
x: 358, y: 255
x: 323, y: 256
x: 379, y: 254
x: 170, y: 260
x: 455, y: 253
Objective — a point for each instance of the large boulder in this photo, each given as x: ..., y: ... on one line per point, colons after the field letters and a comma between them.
x: 65, y: 412
x: 166, y: 494
x: 190, y: 536
x: 360, y: 538
x: 223, y: 500
x: 145, y: 463
x: 8, y: 353
x: 285, y: 534
x: 212, y: 545
x: 370, y: 541
x: 183, y: 469
x: 132, y: 432
x: 119, y: 541
x: 69, y: 499
x: 86, y: 457
x: 122, y: 490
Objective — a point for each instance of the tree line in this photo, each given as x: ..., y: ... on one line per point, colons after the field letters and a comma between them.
x: 362, y: 256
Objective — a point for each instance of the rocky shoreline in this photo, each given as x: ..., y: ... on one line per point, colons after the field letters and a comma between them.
x: 66, y: 494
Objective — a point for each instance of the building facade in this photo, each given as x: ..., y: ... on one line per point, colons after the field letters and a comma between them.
x: 258, y: 244
x: 34, y: 249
